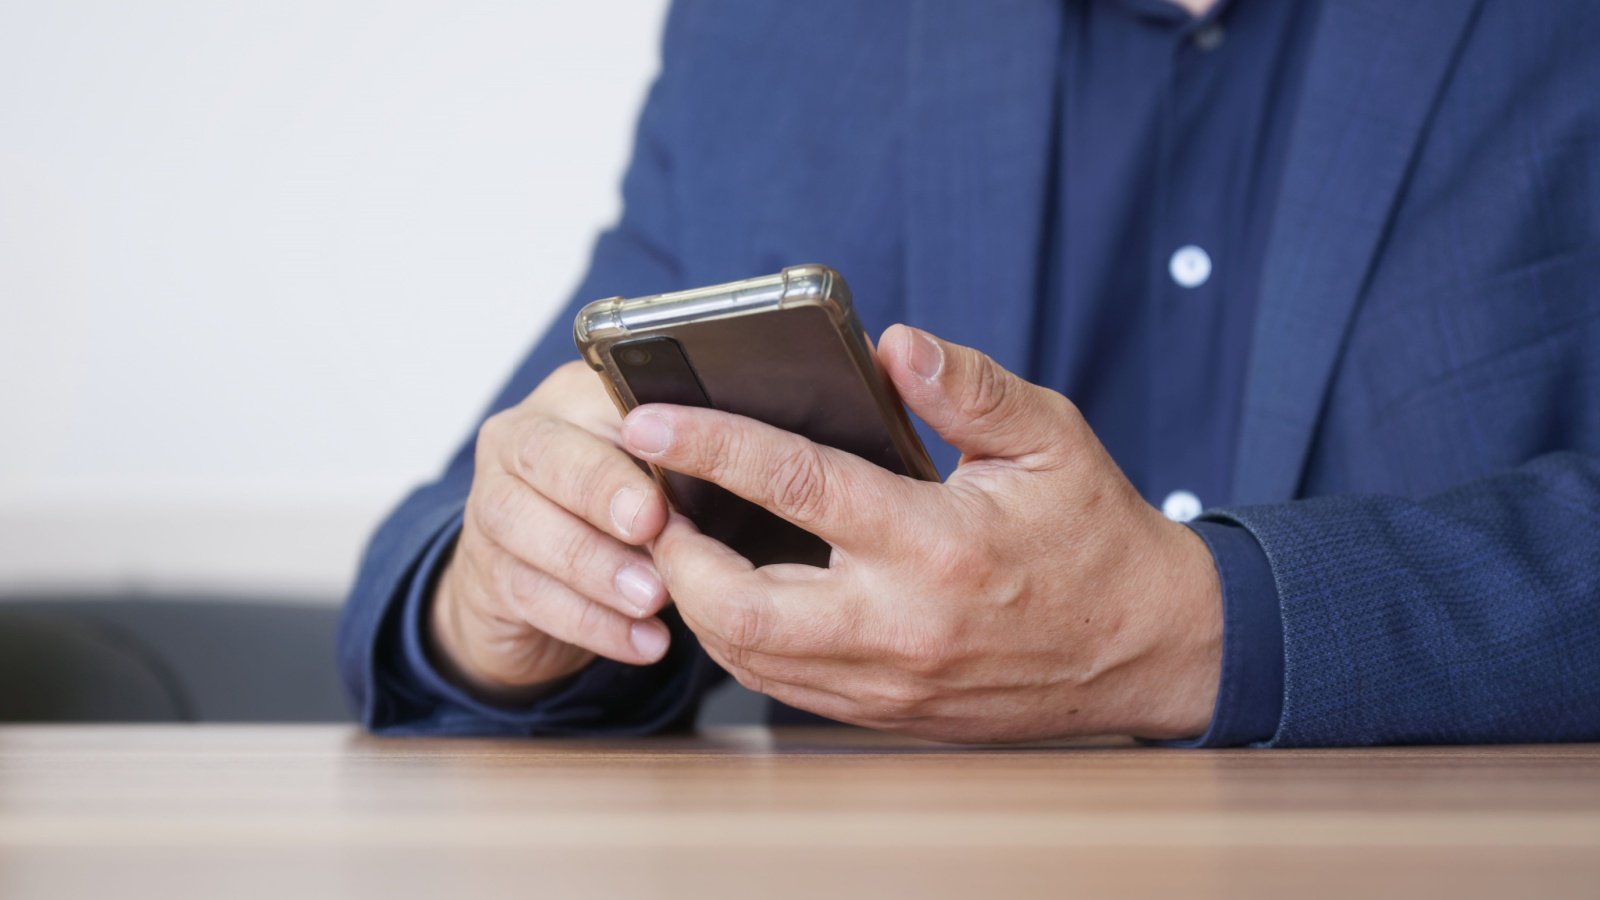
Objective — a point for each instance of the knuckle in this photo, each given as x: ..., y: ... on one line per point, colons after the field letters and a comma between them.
x: 535, y: 443
x: 522, y: 583
x: 586, y: 483
x: 949, y: 560
x: 589, y: 624
x: 490, y: 436
x: 495, y: 426
x: 988, y: 391
x: 577, y: 554
x: 1062, y: 407
x: 496, y: 510
x: 569, y: 375
x: 1061, y: 424
x: 927, y: 650
x: 747, y: 679
x: 898, y: 698
x: 714, y: 450
x: 800, y: 484
x: 743, y: 627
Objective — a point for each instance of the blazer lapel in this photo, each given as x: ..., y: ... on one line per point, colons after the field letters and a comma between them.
x: 1374, y: 73
x: 982, y: 89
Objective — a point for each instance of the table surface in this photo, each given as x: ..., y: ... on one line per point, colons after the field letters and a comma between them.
x: 302, y: 811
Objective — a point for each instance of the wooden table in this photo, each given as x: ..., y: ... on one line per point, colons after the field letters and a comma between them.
x: 233, y: 811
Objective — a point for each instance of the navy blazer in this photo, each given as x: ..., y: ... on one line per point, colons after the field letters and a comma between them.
x: 1420, y: 449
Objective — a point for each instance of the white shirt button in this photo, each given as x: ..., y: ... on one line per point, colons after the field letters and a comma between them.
x: 1181, y: 506
x: 1190, y: 266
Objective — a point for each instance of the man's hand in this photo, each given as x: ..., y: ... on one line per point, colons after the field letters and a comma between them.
x: 549, y: 571
x: 1032, y: 595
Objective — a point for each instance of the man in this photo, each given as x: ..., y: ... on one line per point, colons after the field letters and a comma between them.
x: 1321, y: 281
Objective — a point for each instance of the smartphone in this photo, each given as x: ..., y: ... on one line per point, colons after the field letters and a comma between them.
x: 786, y: 349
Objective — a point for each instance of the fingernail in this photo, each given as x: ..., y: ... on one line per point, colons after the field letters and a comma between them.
x: 638, y: 586
x: 925, y: 359
x: 649, y: 638
x: 625, y: 506
x: 647, y: 433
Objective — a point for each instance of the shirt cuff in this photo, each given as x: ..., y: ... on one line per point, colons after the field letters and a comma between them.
x: 605, y: 697
x: 1250, y: 694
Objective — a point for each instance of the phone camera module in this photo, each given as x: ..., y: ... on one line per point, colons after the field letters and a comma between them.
x: 656, y: 370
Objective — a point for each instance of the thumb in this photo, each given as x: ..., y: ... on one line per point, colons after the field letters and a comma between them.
x: 971, y: 400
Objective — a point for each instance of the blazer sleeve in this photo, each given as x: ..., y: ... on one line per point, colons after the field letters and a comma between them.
x: 1472, y: 616
x: 638, y: 255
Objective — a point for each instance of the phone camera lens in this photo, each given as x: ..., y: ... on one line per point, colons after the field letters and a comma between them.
x: 635, y: 356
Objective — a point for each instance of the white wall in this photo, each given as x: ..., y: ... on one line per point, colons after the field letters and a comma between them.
x: 262, y: 263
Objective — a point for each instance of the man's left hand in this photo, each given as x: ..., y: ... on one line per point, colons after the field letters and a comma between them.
x: 1032, y: 595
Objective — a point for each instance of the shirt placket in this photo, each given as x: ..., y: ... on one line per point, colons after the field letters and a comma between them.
x: 1188, y: 260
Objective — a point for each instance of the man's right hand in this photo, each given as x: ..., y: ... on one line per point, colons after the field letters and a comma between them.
x: 548, y: 572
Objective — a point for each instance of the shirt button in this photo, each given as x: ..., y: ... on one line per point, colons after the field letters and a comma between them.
x: 1181, y: 506
x: 1209, y: 38
x: 1190, y: 267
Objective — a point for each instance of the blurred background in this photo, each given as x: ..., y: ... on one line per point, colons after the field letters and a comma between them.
x: 261, y: 266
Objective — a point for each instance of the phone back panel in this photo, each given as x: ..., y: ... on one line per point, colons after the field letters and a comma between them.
x: 802, y: 365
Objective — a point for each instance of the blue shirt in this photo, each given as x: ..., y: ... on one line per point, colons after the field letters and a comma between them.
x: 1171, y: 140
x: 1171, y: 137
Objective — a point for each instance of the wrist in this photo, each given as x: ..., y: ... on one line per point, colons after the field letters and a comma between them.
x: 1177, y: 689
